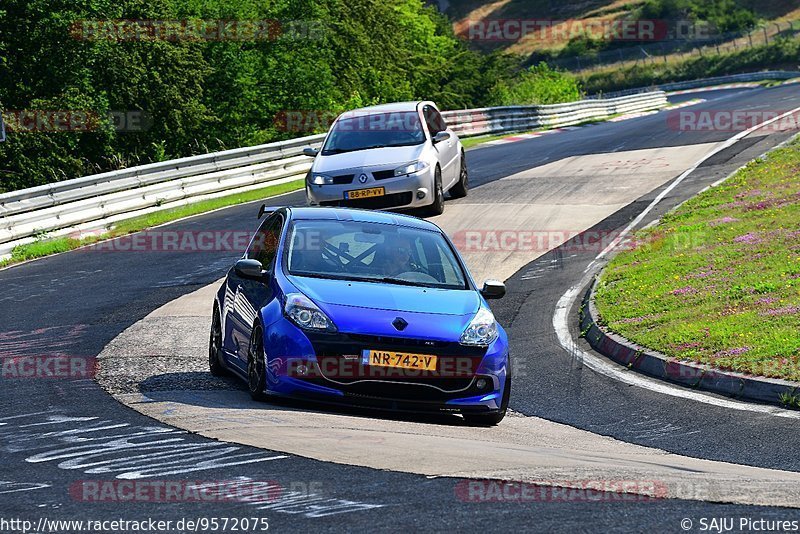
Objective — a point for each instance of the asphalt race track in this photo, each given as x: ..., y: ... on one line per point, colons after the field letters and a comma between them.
x: 336, y: 469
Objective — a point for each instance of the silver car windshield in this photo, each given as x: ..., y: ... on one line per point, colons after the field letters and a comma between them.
x: 363, y: 131
x: 372, y: 252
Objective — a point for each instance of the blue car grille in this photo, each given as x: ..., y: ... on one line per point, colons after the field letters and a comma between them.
x: 403, y: 342
x: 340, y: 366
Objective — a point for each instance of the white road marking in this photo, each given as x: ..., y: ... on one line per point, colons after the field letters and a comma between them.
x: 132, y: 452
x: 7, y: 486
x: 616, y: 372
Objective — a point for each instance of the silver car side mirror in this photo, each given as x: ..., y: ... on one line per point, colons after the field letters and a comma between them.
x: 441, y: 136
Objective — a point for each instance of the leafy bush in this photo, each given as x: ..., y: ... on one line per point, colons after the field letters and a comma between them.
x: 538, y: 85
x: 724, y: 15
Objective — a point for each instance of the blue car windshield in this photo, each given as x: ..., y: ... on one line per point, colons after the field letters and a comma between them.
x: 362, y: 131
x: 372, y: 252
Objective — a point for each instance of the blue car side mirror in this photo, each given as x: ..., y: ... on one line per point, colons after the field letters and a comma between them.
x: 252, y: 269
x: 493, y: 289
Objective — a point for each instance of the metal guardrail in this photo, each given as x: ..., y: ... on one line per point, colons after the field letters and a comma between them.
x: 57, y: 193
x: 519, y: 118
x: 95, y: 202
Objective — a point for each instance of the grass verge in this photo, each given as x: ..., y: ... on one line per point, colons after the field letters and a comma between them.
x: 718, y: 280
x: 469, y: 142
x: 45, y: 246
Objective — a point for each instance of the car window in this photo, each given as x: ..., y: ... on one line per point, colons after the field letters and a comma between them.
x: 350, y: 250
x: 434, y: 120
x: 264, y: 246
x: 365, y: 130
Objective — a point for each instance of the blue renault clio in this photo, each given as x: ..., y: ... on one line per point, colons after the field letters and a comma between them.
x: 361, y: 307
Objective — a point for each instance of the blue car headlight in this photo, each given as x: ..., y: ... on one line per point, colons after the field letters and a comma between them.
x: 417, y: 166
x: 481, y: 331
x: 307, y: 315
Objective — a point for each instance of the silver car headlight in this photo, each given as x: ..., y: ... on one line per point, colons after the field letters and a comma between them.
x: 305, y: 314
x: 319, y: 179
x: 482, y: 330
x: 417, y: 166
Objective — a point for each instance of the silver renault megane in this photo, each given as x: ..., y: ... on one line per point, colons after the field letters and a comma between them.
x: 393, y: 156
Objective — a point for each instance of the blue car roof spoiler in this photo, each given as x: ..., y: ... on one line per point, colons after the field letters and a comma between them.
x: 267, y: 210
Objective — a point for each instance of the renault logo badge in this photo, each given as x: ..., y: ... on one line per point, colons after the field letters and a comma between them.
x: 400, y: 323
x: 362, y: 178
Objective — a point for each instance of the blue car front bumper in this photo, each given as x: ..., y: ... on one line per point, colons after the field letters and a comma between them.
x: 331, y: 368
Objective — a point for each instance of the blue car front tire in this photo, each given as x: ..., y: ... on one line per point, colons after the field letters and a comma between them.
x: 256, y: 366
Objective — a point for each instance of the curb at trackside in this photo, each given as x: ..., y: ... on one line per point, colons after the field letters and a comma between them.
x: 597, y: 361
x: 657, y: 365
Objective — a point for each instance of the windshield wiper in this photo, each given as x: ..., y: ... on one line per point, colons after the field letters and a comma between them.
x: 401, y: 282
x: 386, y: 280
x: 332, y: 151
x: 323, y: 276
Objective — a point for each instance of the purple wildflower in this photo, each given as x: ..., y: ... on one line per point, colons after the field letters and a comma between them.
x: 723, y: 220
x: 705, y: 272
x: 687, y: 346
x: 688, y: 290
x: 731, y: 352
x: 749, y: 238
x: 752, y: 193
x: 786, y: 310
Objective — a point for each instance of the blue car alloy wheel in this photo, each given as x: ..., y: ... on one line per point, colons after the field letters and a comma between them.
x: 370, y: 308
